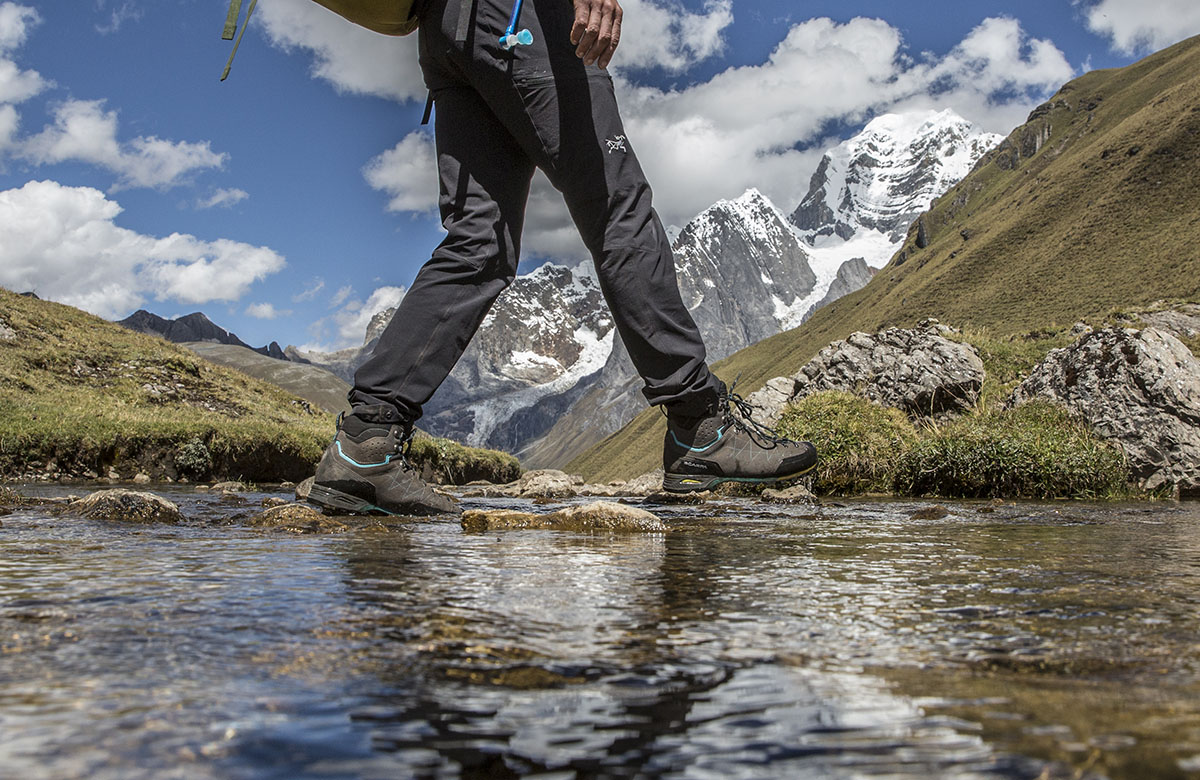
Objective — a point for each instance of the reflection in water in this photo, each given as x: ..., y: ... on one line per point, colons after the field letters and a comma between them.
x: 843, y: 641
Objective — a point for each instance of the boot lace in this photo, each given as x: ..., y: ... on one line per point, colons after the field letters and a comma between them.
x: 740, y: 413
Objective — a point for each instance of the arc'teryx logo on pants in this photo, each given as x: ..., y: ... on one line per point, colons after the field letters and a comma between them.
x: 616, y: 144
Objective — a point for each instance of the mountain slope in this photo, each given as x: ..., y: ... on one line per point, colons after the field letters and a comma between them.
x: 1089, y: 206
x: 312, y: 383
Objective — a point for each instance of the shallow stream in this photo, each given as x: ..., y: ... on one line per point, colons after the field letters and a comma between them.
x: 866, y: 639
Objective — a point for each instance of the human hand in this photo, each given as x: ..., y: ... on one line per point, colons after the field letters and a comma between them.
x: 597, y: 30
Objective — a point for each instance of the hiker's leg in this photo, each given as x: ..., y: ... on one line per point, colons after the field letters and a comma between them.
x: 485, y: 179
x: 594, y: 165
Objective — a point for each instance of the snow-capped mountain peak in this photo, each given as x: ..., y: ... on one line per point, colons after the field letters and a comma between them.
x: 889, y: 173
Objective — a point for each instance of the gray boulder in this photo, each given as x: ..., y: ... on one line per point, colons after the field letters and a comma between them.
x: 598, y: 516
x: 917, y: 370
x: 1138, y: 389
x: 127, y: 506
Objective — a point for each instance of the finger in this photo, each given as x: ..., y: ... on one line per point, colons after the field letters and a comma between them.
x: 581, y: 20
x: 593, y: 30
x: 603, y: 40
x: 607, y: 56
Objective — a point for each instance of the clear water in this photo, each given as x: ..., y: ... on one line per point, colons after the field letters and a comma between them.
x: 1038, y: 640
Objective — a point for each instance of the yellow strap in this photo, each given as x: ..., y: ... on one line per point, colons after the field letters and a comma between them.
x: 238, y: 42
x: 235, y: 10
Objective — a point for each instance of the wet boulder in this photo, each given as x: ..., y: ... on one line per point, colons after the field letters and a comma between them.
x: 1137, y: 388
x: 597, y: 516
x: 304, y: 488
x: 793, y: 494
x: 543, y: 483
x: 918, y: 371
x: 298, y: 519
x: 126, y: 506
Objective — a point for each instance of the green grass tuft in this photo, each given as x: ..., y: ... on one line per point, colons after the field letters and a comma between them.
x: 858, y: 442
x: 1036, y: 450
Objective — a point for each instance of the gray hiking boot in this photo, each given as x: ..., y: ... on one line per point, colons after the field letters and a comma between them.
x: 726, y: 445
x: 364, y: 471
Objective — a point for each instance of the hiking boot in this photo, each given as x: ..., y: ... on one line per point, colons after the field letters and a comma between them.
x: 364, y: 471
x: 726, y: 445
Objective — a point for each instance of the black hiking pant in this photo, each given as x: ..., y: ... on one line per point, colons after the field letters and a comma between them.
x: 499, y: 115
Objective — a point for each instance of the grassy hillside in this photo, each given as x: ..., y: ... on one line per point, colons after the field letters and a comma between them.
x: 322, y: 388
x: 1089, y: 207
x: 82, y: 397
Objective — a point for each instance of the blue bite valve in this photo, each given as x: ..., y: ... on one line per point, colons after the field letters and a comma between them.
x: 510, y: 39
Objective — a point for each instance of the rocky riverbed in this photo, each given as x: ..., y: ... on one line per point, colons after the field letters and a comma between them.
x: 732, y: 637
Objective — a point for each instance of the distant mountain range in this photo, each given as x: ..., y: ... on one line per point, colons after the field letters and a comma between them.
x: 192, y: 327
x: 1088, y: 208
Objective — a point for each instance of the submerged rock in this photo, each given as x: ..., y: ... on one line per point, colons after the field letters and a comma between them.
x: 1139, y: 389
x: 229, y: 487
x: 128, y: 506
x: 794, y: 494
x: 297, y: 518
x: 597, y: 516
x: 918, y: 371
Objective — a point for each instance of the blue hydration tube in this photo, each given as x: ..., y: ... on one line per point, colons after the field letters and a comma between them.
x: 511, y: 38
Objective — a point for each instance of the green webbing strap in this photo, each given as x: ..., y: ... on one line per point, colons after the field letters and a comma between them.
x: 238, y: 42
x: 235, y: 10
x: 464, y: 20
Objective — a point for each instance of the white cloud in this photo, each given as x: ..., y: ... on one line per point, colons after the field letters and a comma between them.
x: 350, y: 57
x: 265, y: 311
x: 15, y: 23
x: 83, y: 131
x: 1136, y: 26
x: 407, y: 173
x: 223, y: 198
x: 18, y: 85
x: 341, y: 296
x: 347, y: 326
x: 63, y: 243
x: 118, y: 14
x: 8, y: 127
x: 307, y: 295
x: 669, y: 36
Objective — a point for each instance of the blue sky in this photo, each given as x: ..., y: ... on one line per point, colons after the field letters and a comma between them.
x: 295, y: 199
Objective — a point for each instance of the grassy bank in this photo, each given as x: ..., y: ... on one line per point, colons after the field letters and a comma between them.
x: 82, y: 398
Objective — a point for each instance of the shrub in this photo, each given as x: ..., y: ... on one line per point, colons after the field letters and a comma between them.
x: 193, y: 459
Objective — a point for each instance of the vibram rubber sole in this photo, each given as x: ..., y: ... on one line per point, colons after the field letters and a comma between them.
x: 690, y: 483
x: 342, y: 503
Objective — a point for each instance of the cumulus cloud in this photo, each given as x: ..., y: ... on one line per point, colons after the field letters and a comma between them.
x: 265, y: 311
x: 15, y: 23
x: 223, y: 198
x: 667, y: 35
x: 83, y: 131
x: 16, y: 85
x: 348, y: 325
x: 407, y: 173
x: 351, y: 58
x: 63, y: 243
x: 1135, y: 26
